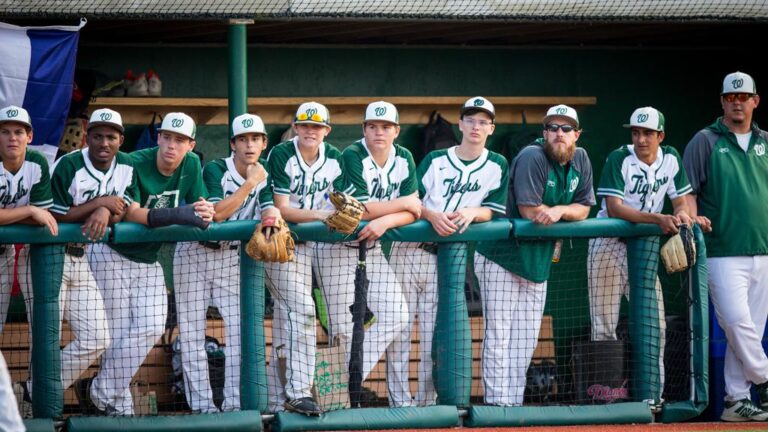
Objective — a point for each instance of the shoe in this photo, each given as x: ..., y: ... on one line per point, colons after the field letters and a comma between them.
x: 305, y: 405
x: 741, y: 411
x: 154, y: 85
x: 23, y: 400
x: 368, y: 398
x: 762, y: 394
x: 83, y: 393
x: 136, y: 86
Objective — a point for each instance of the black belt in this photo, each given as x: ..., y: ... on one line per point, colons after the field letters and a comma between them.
x: 75, y: 251
x: 429, y: 247
x: 217, y: 245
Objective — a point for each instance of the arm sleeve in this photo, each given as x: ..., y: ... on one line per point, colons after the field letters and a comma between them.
x: 194, y: 175
x: 585, y: 193
x: 408, y: 186
x: 353, y: 169
x: 680, y: 184
x: 497, y: 198
x: 422, y: 178
x: 212, y: 175
x: 696, y: 160
x: 40, y: 195
x: 612, y: 181
x: 265, y: 195
x: 276, y: 165
x: 60, y: 182
x: 529, y: 176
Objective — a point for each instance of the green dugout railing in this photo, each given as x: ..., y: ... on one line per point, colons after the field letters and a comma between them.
x: 452, y: 350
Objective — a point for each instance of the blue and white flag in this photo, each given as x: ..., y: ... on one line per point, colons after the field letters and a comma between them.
x: 37, y: 70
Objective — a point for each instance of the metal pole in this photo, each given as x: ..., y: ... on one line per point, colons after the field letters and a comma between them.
x: 238, y: 69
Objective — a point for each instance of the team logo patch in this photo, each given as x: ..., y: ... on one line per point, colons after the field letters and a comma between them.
x: 737, y: 83
x: 478, y: 102
x: 311, y: 112
x: 247, y: 123
x: 723, y: 150
x: 177, y: 123
x: 11, y: 113
x: 105, y: 116
x: 380, y: 111
x: 574, y: 185
x: 550, y: 183
x: 760, y: 149
x: 642, y: 118
x: 561, y: 111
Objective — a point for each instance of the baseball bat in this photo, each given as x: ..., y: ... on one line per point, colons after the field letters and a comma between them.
x: 358, y: 329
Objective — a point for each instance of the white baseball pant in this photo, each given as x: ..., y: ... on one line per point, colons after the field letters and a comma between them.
x: 512, y: 310
x: 136, y: 304
x: 293, y: 327
x: 738, y: 287
x: 608, y: 281
x: 336, y: 278
x: 6, y: 279
x: 10, y: 420
x: 200, y: 275
x: 416, y: 269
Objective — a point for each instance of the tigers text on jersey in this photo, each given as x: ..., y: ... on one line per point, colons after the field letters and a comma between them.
x: 307, y: 185
x: 372, y: 183
x: 30, y: 185
x: 76, y: 181
x: 446, y: 183
x: 222, y: 180
x: 642, y: 186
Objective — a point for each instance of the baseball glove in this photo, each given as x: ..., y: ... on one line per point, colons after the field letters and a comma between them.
x: 275, y: 247
x: 348, y: 214
x: 679, y: 252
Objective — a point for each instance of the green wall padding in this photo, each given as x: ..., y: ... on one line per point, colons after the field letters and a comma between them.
x: 253, y: 372
x: 39, y: 425
x: 240, y: 421
x: 604, y: 227
x: 619, y: 413
x: 47, y: 265
x: 644, y: 334
x: 370, y: 418
x: 452, y: 342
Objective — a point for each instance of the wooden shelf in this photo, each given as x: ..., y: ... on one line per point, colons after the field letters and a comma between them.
x: 345, y: 110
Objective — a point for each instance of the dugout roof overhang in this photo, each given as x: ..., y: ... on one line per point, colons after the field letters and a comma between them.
x: 642, y: 23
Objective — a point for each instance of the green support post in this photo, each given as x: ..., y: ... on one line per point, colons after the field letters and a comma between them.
x: 452, y: 343
x: 253, y: 373
x: 238, y: 69
x: 47, y: 267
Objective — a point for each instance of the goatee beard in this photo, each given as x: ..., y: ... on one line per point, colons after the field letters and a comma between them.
x: 560, y: 156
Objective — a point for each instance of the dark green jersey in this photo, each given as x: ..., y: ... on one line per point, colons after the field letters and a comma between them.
x: 731, y: 186
x: 536, y: 180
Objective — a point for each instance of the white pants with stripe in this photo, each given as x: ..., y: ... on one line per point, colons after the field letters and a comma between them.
x: 336, y: 277
x: 416, y: 269
x: 10, y: 420
x: 738, y: 287
x: 137, y: 305
x: 202, y: 275
x: 512, y: 312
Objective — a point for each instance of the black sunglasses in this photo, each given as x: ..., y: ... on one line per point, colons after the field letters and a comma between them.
x: 553, y: 127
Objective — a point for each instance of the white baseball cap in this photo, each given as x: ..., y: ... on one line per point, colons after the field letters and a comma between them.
x: 562, y: 111
x: 647, y: 118
x: 179, y: 123
x: 382, y: 111
x: 247, y: 123
x: 478, y: 103
x: 13, y: 113
x: 106, y: 117
x: 738, y: 82
x: 312, y: 113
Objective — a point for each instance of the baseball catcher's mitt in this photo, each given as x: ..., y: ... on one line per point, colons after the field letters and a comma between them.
x: 348, y: 214
x: 679, y: 252
x: 277, y: 247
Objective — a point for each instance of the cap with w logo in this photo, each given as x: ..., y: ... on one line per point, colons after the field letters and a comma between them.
x: 106, y: 117
x: 247, y: 123
x: 738, y: 82
x: 563, y: 111
x: 313, y: 113
x: 647, y: 118
x: 179, y: 123
x: 478, y: 104
x: 13, y: 113
x: 382, y: 111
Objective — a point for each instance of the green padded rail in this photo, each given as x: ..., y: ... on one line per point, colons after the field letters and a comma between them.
x: 30, y: 234
x: 604, y: 227
x: 253, y: 373
x: 619, y: 413
x: 440, y: 416
x: 240, y: 421
x: 39, y: 425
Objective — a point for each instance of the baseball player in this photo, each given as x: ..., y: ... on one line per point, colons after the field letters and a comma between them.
x: 458, y: 186
x: 550, y: 181
x: 635, y: 179
x: 303, y: 170
x: 10, y: 420
x: 239, y: 189
x: 129, y: 276
x: 384, y: 179
x: 728, y: 168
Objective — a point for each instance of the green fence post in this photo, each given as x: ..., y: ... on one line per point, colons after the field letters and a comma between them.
x: 253, y: 374
x: 452, y: 343
x: 238, y: 69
